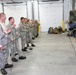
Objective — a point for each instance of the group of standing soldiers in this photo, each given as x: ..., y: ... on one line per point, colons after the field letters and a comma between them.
x: 27, y: 30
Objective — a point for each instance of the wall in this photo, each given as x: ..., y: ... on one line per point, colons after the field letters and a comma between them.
x: 36, y: 15
x: 67, y: 9
x: 15, y: 11
x: 75, y: 5
x: 1, y: 8
x: 29, y: 9
x: 50, y: 15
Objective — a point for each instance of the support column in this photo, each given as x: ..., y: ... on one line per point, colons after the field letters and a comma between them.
x: 3, y: 7
x: 32, y: 9
x: 38, y: 12
x: 27, y: 9
x: 73, y: 4
x: 63, y: 25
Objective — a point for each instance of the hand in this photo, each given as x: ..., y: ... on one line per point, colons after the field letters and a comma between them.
x: 13, y: 26
x: 1, y: 47
x: 12, y: 40
x: 9, y: 31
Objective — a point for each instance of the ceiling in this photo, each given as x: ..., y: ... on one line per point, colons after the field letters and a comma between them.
x: 20, y: 1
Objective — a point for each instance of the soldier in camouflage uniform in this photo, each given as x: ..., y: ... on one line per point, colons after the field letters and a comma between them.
x: 4, y: 41
x: 29, y: 33
x: 22, y: 29
x: 36, y: 28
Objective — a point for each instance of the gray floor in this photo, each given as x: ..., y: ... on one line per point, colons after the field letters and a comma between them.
x: 53, y: 55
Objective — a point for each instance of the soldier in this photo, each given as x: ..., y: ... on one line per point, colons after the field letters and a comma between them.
x: 22, y: 28
x: 14, y: 35
x: 32, y: 28
x: 29, y: 33
x: 4, y: 53
x: 36, y: 28
x: 27, y: 39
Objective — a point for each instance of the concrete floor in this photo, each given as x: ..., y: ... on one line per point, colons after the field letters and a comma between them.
x: 53, y: 55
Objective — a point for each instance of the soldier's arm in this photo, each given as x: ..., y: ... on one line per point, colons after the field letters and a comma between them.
x: 20, y: 25
x: 1, y: 36
x: 1, y: 33
x: 8, y: 29
x: 1, y: 47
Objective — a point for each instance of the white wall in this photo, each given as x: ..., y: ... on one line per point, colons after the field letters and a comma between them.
x: 1, y: 8
x: 16, y: 12
x: 35, y: 8
x: 75, y: 5
x: 50, y: 15
x: 67, y: 9
x: 36, y: 16
x: 29, y: 8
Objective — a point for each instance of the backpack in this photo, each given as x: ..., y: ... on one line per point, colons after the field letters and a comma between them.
x: 56, y: 31
x: 50, y: 30
x: 60, y: 29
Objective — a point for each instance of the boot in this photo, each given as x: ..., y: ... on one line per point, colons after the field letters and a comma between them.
x: 22, y: 57
x: 24, y: 50
x: 14, y: 60
x: 33, y: 45
x: 8, y: 65
x: 3, y: 71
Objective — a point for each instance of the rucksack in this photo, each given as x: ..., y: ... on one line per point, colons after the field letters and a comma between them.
x: 56, y: 31
x: 60, y: 29
x: 50, y: 30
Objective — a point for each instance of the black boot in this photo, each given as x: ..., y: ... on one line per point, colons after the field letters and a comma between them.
x: 14, y: 60
x: 16, y: 54
x: 33, y: 38
x: 24, y: 50
x: 33, y: 45
x: 3, y: 71
x: 22, y: 57
x: 8, y: 65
